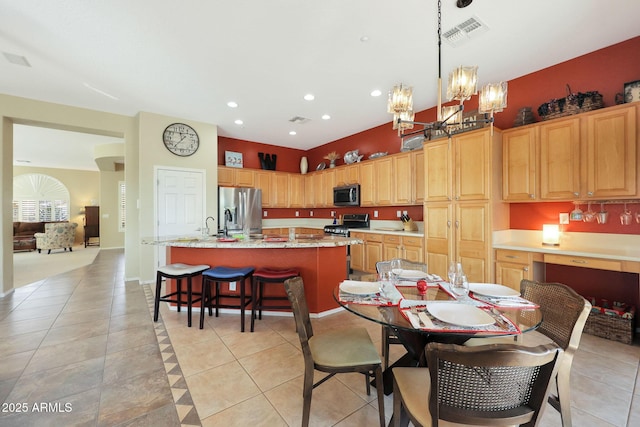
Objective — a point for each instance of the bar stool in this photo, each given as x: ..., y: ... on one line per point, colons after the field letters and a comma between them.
x: 178, y: 272
x: 264, y: 276
x: 219, y: 275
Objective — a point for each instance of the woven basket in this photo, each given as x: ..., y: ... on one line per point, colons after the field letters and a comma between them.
x: 573, y: 103
x: 612, y: 324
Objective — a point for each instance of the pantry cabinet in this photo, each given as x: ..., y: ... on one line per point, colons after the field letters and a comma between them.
x: 462, y: 202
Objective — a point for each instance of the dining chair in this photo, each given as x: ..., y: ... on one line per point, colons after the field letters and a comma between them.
x: 388, y: 334
x: 564, y: 314
x: 492, y: 385
x: 334, y: 352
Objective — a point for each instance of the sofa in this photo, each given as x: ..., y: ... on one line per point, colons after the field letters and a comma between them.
x: 57, y: 235
x: 23, y: 235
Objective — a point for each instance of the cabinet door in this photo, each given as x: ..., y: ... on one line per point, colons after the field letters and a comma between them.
x: 384, y: 181
x: 560, y: 160
x: 403, y: 178
x: 438, y: 168
x: 473, y: 165
x: 279, y: 190
x: 611, y: 154
x: 245, y: 178
x: 519, y: 164
x: 357, y: 252
x: 511, y: 275
x: 391, y: 247
x: 226, y: 176
x: 367, y: 187
x: 263, y: 182
x: 372, y: 254
x: 296, y: 191
x: 419, y: 177
x: 472, y: 231
x: 438, y: 237
x: 328, y: 182
x: 316, y: 182
x: 412, y: 248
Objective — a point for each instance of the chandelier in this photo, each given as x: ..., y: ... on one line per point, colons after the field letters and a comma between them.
x: 463, y: 84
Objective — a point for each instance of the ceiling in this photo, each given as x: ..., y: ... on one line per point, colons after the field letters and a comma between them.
x: 190, y: 58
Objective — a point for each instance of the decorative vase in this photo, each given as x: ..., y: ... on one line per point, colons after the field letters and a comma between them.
x: 332, y: 164
x: 304, y: 165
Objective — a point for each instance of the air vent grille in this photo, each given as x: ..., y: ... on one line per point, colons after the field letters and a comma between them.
x: 299, y: 120
x: 465, y: 31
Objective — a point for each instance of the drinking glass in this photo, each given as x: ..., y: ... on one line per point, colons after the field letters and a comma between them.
x: 460, y: 285
x: 452, y: 271
x: 396, y: 268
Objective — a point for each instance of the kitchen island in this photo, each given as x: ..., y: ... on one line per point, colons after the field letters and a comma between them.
x: 321, y: 260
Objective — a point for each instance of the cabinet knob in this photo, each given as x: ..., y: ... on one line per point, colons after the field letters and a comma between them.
x: 532, y: 196
x: 449, y: 223
x: 457, y: 224
x: 590, y: 193
x: 525, y: 268
x: 575, y: 193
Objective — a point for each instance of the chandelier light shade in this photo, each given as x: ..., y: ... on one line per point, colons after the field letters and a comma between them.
x: 463, y: 83
x: 400, y: 99
x: 452, y: 114
x: 493, y: 98
x: 403, y: 121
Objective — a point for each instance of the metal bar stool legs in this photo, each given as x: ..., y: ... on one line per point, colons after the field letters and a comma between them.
x: 178, y: 272
x: 214, y: 277
x: 264, y: 276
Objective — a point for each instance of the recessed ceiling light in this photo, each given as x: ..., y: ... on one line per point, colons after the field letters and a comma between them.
x: 309, y: 97
x: 326, y: 117
x: 364, y: 39
x: 232, y: 104
x: 293, y: 132
x: 376, y: 92
x: 238, y: 122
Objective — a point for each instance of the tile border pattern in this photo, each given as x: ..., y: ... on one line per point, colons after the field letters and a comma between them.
x: 185, y: 407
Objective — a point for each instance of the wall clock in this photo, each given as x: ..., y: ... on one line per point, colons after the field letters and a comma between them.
x: 180, y: 139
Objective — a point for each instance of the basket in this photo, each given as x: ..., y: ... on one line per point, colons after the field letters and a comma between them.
x: 614, y: 322
x: 574, y: 103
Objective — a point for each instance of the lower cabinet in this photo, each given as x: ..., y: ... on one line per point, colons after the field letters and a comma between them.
x: 513, y: 266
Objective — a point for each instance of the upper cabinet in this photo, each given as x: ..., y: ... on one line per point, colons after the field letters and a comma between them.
x: 235, y: 177
x: 588, y: 156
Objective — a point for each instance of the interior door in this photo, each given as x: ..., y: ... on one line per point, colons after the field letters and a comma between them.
x: 181, y: 202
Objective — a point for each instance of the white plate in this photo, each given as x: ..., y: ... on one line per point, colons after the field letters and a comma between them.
x: 460, y: 314
x: 409, y: 274
x: 492, y: 290
x: 360, y: 288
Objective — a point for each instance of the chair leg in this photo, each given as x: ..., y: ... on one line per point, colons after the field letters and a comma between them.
x: 385, y: 347
x: 254, y: 301
x: 564, y: 397
x: 242, y: 304
x: 306, y: 397
x: 156, y: 306
x: 179, y: 293
x: 205, y: 300
x: 189, y: 298
x: 399, y: 417
x: 380, y: 392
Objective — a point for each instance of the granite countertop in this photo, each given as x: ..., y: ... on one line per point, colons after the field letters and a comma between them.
x: 257, y: 243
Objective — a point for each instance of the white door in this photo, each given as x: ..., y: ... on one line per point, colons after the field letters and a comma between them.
x: 181, y: 201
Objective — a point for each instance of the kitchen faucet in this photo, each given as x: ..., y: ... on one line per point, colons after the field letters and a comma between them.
x: 227, y: 218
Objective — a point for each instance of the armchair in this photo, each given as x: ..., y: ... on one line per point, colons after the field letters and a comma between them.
x: 57, y: 235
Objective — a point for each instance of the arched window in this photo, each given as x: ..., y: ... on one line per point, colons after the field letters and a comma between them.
x: 38, y: 197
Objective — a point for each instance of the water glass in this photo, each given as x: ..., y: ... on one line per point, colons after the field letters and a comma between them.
x: 452, y: 271
x: 460, y: 285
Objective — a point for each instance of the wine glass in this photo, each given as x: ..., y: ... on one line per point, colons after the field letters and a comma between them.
x: 452, y: 271
x: 396, y: 268
x: 460, y: 285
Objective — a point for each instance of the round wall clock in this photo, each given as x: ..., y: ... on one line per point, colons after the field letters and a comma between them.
x: 181, y: 139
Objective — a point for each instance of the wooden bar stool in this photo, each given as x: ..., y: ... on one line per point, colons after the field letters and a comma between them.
x: 264, y: 276
x: 219, y: 275
x: 178, y: 272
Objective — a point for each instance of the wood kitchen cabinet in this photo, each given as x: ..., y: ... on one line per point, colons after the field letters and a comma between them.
x: 520, y: 170
x: 309, y: 190
x: 279, y: 190
x: 372, y: 252
x: 376, y: 182
x: 514, y: 266
x: 263, y: 182
x: 235, y: 177
x: 357, y: 252
x: 592, y: 155
x: 408, y: 178
x: 296, y: 191
x: 349, y: 174
x: 462, y: 202
x: 405, y: 247
x: 391, y: 247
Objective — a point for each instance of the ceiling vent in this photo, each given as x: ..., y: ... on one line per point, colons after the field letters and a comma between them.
x: 299, y: 120
x: 16, y: 59
x: 465, y: 31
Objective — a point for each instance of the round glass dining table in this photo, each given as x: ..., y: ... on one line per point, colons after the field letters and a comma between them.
x: 415, y: 340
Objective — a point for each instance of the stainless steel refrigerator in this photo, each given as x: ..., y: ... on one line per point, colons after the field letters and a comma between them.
x: 239, y: 208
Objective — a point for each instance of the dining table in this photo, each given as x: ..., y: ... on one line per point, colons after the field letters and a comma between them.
x: 419, y: 316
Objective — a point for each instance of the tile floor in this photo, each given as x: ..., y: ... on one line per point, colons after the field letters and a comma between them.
x: 81, y: 348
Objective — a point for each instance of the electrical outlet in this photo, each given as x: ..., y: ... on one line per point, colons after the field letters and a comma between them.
x: 297, y: 213
x: 264, y: 214
x: 564, y: 218
x: 310, y: 213
x: 405, y: 212
x: 375, y: 214
x: 333, y: 214
x: 398, y: 214
x: 232, y: 286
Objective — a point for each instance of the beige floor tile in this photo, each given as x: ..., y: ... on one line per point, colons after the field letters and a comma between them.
x: 220, y: 388
x: 255, y: 412
x: 9, y: 328
x: 75, y: 332
x: 604, y: 401
x: 272, y: 367
x: 11, y: 366
x: 243, y: 344
x: 605, y: 369
x: 63, y: 354
x: 201, y: 356
x: 21, y: 343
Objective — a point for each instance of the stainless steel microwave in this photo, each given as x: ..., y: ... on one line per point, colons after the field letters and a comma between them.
x: 348, y: 195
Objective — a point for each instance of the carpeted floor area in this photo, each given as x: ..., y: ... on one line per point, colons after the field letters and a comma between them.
x: 31, y: 267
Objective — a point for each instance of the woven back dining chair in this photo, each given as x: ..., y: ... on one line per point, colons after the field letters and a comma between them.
x: 564, y: 314
x: 337, y: 351
x: 492, y: 385
x: 388, y: 334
